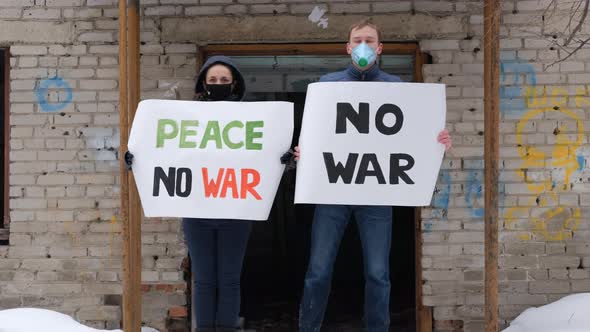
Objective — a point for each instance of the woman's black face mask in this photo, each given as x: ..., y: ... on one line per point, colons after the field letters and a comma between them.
x: 218, y: 92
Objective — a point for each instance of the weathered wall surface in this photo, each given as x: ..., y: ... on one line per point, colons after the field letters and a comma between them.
x: 65, y: 243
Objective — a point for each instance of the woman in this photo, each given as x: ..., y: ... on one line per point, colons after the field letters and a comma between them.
x: 217, y: 246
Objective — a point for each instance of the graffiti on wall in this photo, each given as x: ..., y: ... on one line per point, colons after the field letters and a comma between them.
x: 317, y: 16
x: 43, y: 93
x: 547, y: 168
x: 515, y: 77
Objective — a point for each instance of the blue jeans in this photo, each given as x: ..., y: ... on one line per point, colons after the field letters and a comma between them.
x: 329, y: 224
x: 217, y: 249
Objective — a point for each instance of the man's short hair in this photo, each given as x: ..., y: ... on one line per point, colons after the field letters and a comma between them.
x: 364, y: 23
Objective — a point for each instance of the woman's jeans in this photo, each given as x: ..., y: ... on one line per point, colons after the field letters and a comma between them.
x: 329, y: 224
x: 217, y: 249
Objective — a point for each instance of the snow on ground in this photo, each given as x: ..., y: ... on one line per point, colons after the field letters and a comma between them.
x: 41, y: 320
x: 569, y: 314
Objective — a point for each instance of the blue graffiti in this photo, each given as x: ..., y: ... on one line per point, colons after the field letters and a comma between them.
x: 442, y: 196
x: 56, y: 83
x: 441, y: 199
x: 512, y: 99
x: 581, y: 162
x: 474, y: 192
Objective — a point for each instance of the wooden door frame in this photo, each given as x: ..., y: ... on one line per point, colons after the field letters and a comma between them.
x: 423, y: 313
x: 4, y: 230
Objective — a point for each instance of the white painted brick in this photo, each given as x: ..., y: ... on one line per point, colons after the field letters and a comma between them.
x: 76, y: 73
x: 56, y: 192
x: 207, y: 2
x: 391, y: 6
x: 11, y: 13
x: 103, y: 49
x: 108, y: 73
x: 106, y: 25
x: 95, y: 179
x: 29, y: 73
x: 63, y: 3
x: 23, y: 155
x: 28, y: 50
x: 71, y: 61
x: 97, y: 3
x: 163, y: 11
x: 34, y: 192
x: 98, y: 84
x: 96, y: 37
x: 150, y: 276
x: 48, y: 61
x: 41, y: 14
x: 56, y: 155
x: 28, y: 62
x: 171, y: 276
x: 579, y: 78
x: 434, y: 45
x: 89, y: 61
x: 239, y: 9
x: 181, y: 48
x: 82, y: 13
x: 336, y: 8
x: 549, y: 287
x: 204, y: 10
x: 26, y: 252
x: 22, y: 85
x: 55, y: 179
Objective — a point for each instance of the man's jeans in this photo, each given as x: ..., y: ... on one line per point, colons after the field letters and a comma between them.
x: 217, y: 249
x: 329, y: 224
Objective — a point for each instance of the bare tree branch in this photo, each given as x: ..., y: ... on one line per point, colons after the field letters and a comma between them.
x: 579, y: 26
x: 574, y: 12
x: 582, y: 44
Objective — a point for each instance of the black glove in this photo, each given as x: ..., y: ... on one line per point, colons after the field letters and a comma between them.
x: 128, y: 159
x: 288, y: 159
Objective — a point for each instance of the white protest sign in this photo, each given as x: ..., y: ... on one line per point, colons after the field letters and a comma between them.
x: 370, y: 143
x: 209, y: 159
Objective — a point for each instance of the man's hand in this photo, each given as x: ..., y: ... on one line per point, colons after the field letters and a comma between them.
x: 445, y: 139
x: 297, y: 153
x: 128, y: 160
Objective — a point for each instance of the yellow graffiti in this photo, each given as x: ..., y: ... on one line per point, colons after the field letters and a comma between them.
x: 557, y: 222
x: 71, y: 232
x: 581, y: 99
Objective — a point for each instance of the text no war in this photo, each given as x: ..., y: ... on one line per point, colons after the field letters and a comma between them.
x: 368, y: 163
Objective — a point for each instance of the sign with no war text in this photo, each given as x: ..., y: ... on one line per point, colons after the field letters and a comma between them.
x: 218, y: 160
x: 370, y: 143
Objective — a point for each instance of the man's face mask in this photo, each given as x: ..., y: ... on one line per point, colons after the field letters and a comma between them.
x: 363, y: 55
x: 218, y: 92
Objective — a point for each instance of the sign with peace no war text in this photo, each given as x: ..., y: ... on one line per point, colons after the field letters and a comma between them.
x: 209, y: 159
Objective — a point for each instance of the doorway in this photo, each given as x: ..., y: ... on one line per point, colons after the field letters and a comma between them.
x: 278, y: 250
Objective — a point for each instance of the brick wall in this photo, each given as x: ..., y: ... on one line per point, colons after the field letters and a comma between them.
x: 65, y: 241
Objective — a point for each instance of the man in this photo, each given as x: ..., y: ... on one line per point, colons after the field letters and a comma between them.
x: 374, y: 222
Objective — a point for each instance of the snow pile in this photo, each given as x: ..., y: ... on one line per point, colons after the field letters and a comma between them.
x: 569, y: 314
x: 41, y: 320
